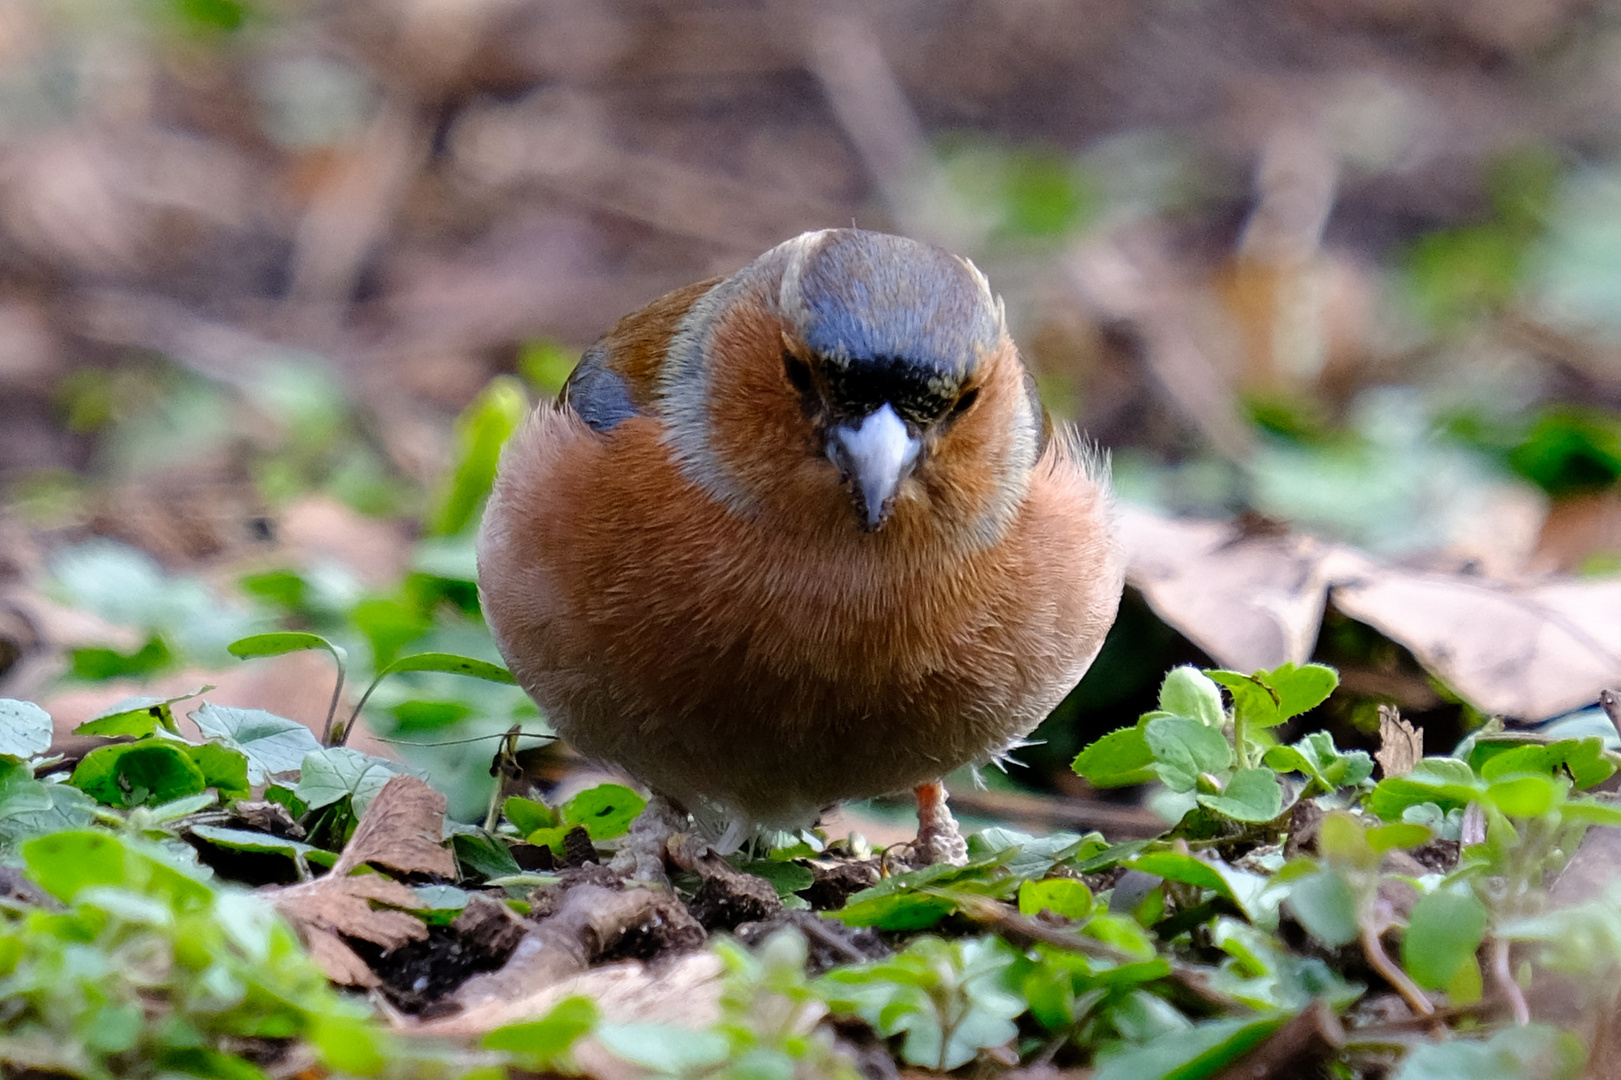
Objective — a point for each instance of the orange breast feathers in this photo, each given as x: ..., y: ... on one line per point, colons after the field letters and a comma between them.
x: 800, y: 535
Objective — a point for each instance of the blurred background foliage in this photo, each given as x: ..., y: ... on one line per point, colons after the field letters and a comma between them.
x: 277, y: 276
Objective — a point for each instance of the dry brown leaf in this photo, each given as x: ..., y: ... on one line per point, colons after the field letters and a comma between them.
x: 343, y: 905
x: 1526, y: 651
x: 338, y: 905
x: 1249, y: 601
x: 337, y: 960
x: 1401, y: 746
x: 403, y: 830
x: 400, y: 830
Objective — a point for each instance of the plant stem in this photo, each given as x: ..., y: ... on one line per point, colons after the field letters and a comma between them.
x: 1504, y: 978
x: 337, y: 695
x: 1416, y: 999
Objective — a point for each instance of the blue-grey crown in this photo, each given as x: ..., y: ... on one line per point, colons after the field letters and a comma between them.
x: 864, y: 297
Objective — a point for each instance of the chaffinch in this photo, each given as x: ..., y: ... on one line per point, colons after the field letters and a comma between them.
x: 799, y: 535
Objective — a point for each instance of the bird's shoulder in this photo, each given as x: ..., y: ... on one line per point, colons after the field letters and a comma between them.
x: 620, y: 375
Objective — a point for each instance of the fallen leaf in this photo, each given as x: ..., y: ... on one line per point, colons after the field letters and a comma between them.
x: 1526, y: 651
x: 1254, y: 599
x: 1249, y: 601
x: 335, y: 905
x: 1400, y: 744
x: 401, y: 830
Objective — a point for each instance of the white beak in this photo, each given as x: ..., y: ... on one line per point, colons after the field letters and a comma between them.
x: 876, y: 456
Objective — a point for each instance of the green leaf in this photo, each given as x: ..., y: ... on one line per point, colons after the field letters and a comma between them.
x: 1447, y: 782
x: 606, y: 810
x: 273, y: 744
x: 65, y: 863
x: 1301, y: 689
x: 1525, y: 796
x: 25, y: 729
x: 527, y: 815
x: 1192, y: 1054
x: 1189, y: 693
x: 485, y: 856
x: 96, y: 662
x: 1255, y: 702
x: 328, y: 775
x: 30, y: 807
x: 390, y: 625
x: 1185, y: 749
x: 1061, y: 896
x: 1252, y: 795
x: 139, y: 721
x: 1026, y: 856
x: 440, y: 898
x: 223, y: 768
x: 1400, y: 834
x: 258, y: 842
x: 1117, y: 759
x: 545, y: 1042
x: 1533, y: 1052
x: 450, y: 662
x: 1444, y: 930
x: 896, y: 911
x: 1264, y: 974
x: 138, y: 716
x: 133, y: 774
x: 1318, y: 758
x: 787, y: 878
x: 284, y: 795
x: 279, y: 644
x: 1326, y: 905
x: 1584, y: 759
x: 664, y: 1048
x: 1587, y: 810
x: 480, y: 431
x: 1174, y: 866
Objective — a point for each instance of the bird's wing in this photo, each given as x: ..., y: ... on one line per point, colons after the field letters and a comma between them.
x: 618, y: 377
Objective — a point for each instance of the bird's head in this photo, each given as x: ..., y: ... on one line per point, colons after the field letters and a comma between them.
x: 858, y: 378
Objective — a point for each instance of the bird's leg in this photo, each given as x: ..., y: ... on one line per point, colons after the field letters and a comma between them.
x: 643, y: 855
x: 938, y: 838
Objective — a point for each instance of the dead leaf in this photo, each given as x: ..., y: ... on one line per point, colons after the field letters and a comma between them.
x: 1249, y: 601
x: 1526, y: 651
x: 401, y: 830
x: 1530, y: 650
x: 1400, y: 744
x: 337, y: 960
x: 341, y: 905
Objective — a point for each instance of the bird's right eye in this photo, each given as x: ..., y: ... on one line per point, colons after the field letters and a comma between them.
x: 798, y: 372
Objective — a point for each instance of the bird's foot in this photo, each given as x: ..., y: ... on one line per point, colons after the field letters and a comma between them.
x: 938, y: 838
x: 646, y: 849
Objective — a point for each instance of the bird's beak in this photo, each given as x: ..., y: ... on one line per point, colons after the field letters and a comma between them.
x: 874, y: 455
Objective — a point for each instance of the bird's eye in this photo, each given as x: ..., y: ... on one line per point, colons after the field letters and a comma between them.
x: 965, y: 402
x: 798, y: 372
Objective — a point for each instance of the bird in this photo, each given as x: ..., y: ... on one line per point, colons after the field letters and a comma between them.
x: 800, y: 535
